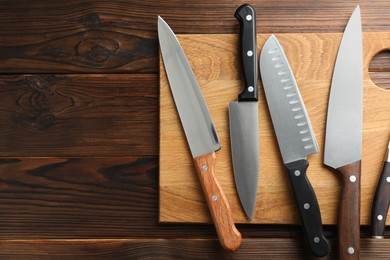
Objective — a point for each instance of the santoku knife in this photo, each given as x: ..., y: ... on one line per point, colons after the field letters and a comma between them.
x: 243, y: 116
x: 343, y: 140
x: 380, y: 205
x: 295, y: 138
x: 199, y: 131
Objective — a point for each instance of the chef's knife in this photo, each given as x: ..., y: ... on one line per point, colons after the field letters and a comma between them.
x: 243, y: 116
x: 380, y: 205
x: 343, y: 140
x: 200, y: 132
x: 295, y: 138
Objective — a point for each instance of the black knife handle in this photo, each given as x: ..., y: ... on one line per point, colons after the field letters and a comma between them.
x: 247, y: 17
x: 380, y: 205
x: 308, y: 208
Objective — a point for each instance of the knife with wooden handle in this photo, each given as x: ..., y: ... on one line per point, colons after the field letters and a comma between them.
x: 200, y: 132
x: 343, y: 140
x: 380, y: 205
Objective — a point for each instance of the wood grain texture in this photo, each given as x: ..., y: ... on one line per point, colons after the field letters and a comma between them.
x: 120, y: 36
x: 78, y: 115
x: 219, y: 208
x: 381, y: 202
x: 71, y: 202
x: 87, y: 198
x: 349, y: 211
x: 218, y: 73
x: 253, y: 248
x: 80, y: 212
x: 78, y: 197
x: 381, y: 62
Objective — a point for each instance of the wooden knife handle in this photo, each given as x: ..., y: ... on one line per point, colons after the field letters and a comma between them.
x: 349, y: 211
x: 381, y: 202
x: 229, y: 236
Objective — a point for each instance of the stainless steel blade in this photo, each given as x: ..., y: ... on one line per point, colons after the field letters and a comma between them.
x: 291, y: 122
x: 388, y: 153
x: 343, y: 141
x: 244, y: 139
x: 194, y: 115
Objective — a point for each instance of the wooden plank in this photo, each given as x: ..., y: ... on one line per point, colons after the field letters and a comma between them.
x: 80, y: 198
x: 380, y: 69
x: 51, y: 18
x: 120, y: 36
x: 254, y: 248
x: 381, y: 79
x: 84, y: 198
x: 381, y: 62
x: 218, y: 73
x: 78, y: 115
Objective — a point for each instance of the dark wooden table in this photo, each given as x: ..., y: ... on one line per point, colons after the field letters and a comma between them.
x: 79, y: 127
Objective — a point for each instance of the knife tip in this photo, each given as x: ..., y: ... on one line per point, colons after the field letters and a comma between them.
x: 162, y: 25
x: 357, y: 8
x: 249, y: 212
x: 271, y: 40
x: 160, y: 20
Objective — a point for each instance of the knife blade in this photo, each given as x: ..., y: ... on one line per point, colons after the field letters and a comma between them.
x: 295, y: 137
x: 243, y: 116
x: 200, y: 132
x: 380, y: 205
x: 343, y: 140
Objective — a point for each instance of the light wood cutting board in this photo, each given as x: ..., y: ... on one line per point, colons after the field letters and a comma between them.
x: 215, y: 62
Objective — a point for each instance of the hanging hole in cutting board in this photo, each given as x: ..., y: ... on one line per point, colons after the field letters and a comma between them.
x: 379, y: 69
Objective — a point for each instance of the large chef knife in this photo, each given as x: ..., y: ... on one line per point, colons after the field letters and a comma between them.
x: 243, y: 116
x: 295, y: 138
x: 380, y: 205
x: 343, y: 140
x: 200, y: 132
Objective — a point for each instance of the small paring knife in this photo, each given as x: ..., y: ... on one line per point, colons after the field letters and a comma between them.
x: 380, y: 205
x: 243, y: 116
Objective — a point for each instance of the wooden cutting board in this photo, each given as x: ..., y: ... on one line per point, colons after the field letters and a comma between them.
x: 215, y: 62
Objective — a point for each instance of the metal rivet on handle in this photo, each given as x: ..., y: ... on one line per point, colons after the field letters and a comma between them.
x: 306, y: 206
x: 316, y: 240
x: 351, y: 251
x: 214, y: 197
x: 352, y: 178
x: 205, y: 168
x: 248, y: 17
x: 251, y: 89
x: 379, y: 217
x: 388, y: 179
x: 249, y: 53
x: 297, y: 173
